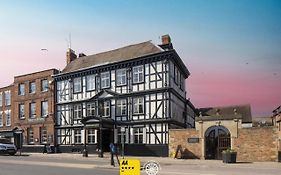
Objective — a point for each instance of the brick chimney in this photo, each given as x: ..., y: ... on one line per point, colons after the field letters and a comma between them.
x: 166, y: 39
x: 166, y: 42
x: 70, y: 56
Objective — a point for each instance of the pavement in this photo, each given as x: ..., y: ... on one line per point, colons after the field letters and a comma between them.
x: 93, y: 163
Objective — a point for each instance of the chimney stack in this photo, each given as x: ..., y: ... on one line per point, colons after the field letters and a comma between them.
x: 166, y: 39
x: 70, y: 56
x: 166, y: 42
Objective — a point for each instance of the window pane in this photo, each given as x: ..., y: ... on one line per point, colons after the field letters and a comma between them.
x: 138, y: 75
x: 21, y: 89
x: 32, y: 110
x: 44, y: 85
x: 90, y: 82
x: 121, y: 77
x: 44, y: 108
x: 1, y: 101
x: 21, y: 111
x: 105, y: 80
x: 77, y: 85
x: 32, y: 87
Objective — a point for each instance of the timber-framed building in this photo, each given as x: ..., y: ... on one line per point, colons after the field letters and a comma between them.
x: 133, y: 94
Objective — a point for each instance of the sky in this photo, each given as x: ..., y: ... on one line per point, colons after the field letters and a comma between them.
x: 231, y: 47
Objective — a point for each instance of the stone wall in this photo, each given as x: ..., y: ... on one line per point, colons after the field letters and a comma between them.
x: 256, y: 144
x: 178, y: 141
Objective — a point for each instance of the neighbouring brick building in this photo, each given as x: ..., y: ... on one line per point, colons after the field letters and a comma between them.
x: 6, y: 119
x: 276, y: 118
x: 33, y: 100
x: 219, y: 128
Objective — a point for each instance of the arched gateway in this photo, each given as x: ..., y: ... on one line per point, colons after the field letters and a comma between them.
x: 217, y: 139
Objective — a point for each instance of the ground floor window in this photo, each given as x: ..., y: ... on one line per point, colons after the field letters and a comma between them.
x: 91, y: 136
x: 77, y: 136
x: 138, y: 135
x: 30, y: 136
x: 43, y: 135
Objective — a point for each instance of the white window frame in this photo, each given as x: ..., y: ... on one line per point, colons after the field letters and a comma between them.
x: 1, y: 99
x: 77, y: 111
x: 91, y: 136
x: 7, y: 95
x: 44, y: 108
x: 30, y: 136
x: 138, y: 74
x: 138, y: 134
x: 90, y: 82
x: 8, y: 118
x: 77, y: 85
x: 32, y: 87
x: 21, y: 111
x: 138, y: 104
x: 44, y: 85
x: 1, y: 119
x: 77, y: 136
x: 121, y: 77
x: 105, y: 80
x: 91, y: 109
x: 21, y: 89
x: 32, y: 113
x: 121, y: 107
x: 43, y: 135
x: 106, y: 108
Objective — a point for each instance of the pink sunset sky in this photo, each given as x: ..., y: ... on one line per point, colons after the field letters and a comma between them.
x: 232, y: 49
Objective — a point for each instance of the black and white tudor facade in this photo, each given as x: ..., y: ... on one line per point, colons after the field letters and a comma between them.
x: 135, y: 93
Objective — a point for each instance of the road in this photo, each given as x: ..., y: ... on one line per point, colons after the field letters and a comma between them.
x: 73, y: 164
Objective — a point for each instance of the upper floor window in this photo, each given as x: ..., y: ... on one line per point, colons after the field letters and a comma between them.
x: 77, y: 112
x: 176, y: 78
x: 138, y: 105
x: 44, y: 108
x: 90, y: 79
x: 106, y: 109
x: 44, y: 85
x: 32, y: 87
x: 1, y: 119
x: 8, y: 117
x: 77, y: 86
x: 21, y: 111
x: 121, y: 107
x: 91, y: 109
x: 138, y: 74
x: 1, y: 101
x: 105, y: 79
x: 7, y: 98
x: 121, y: 77
x: 21, y: 89
x: 32, y: 110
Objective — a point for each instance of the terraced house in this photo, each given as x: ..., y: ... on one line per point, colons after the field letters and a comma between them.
x: 133, y: 94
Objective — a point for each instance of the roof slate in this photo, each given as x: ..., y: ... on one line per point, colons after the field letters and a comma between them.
x: 120, y: 54
x: 227, y: 112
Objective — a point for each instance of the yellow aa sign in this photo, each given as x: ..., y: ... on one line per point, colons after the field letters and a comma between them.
x: 129, y: 167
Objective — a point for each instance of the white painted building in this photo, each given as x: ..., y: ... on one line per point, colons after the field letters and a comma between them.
x: 139, y: 88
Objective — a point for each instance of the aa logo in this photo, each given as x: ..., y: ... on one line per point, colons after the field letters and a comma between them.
x: 124, y: 162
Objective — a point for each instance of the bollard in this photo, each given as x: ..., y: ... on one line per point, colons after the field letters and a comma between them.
x: 85, y: 153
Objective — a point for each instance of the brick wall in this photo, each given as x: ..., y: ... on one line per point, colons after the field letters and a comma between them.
x: 256, y: 144
x: 178, y: 140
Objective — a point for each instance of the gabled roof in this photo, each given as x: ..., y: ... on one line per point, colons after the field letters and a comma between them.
x: 227, y: 112
x: 117, y: 55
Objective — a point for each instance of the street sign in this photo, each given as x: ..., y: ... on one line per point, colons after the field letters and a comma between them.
x: 129, y: 167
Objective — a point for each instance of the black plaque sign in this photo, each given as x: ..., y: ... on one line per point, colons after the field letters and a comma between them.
x: 193, y: 140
